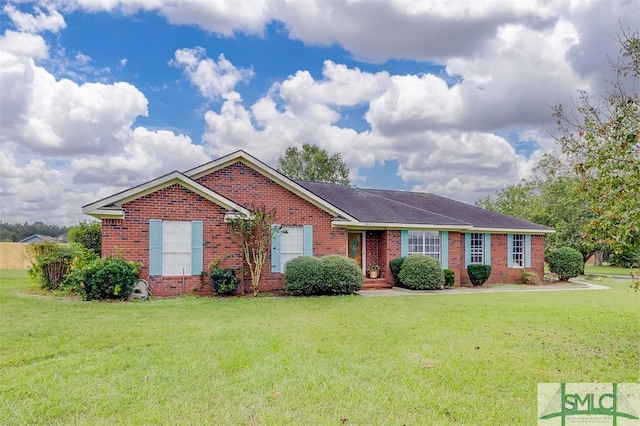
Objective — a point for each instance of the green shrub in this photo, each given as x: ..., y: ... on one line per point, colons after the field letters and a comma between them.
x: 419, y: 272
x: 339, y: 275
x: 302, y: 275
x: 108, y: 278
x: 449, y: 278
x: 223, y: 280
x: 394, y: 267
x: 88, y: 235
x: 529, y: 277
x: 478, y: 274
x: 565, y: 262
x: 625, y: 260
x: 50, y: 262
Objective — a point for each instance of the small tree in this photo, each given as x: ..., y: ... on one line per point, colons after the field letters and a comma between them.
x: 255, y: 234
x: 88, y: 235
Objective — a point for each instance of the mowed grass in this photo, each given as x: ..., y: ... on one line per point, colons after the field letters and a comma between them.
x: 609, y: 270
x: 439, y: 359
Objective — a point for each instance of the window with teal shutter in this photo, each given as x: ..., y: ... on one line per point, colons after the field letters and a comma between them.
x: 275, y: 248
x: 444, y: 241
x: 307, y: 240
x: 155, y: 247
x: 404, y: 243
x: 196, y: 247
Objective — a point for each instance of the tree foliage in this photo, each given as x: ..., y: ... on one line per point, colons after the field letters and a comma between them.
x: 254, y: 234
x: 602, y: 143
x: 19, y: 231
x: 88, y: 235
x: 552, y: 197
x: 313, y: 163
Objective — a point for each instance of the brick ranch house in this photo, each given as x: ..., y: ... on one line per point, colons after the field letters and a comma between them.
x: 175, y: 227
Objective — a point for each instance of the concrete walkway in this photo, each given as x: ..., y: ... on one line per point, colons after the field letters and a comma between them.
x: 399, y: 291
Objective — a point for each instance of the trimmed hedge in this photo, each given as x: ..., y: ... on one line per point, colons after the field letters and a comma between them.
x: 449, y: 278
x: 302, y: 275
x: 565, y: 262
x: 420, y: 272
x: 223, y: 280
x: 333, y: 274
x: 108, y: 278
x: 340, y: 275
x: 478, y: 274
x: 394, y: 267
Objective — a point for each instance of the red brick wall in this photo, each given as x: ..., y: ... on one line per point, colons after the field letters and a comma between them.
x: 130, y: 236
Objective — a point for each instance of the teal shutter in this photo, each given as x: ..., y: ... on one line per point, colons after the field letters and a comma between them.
x: 196, y: 246
x: 307, y: 238
x: 527, y: 251
x: 487, y: 249
x: 510, y: 251
x: 467, y: 249
x: 155, y: 247
x: 275, y: 248
x: 404, y: 243
x: 444, y: 249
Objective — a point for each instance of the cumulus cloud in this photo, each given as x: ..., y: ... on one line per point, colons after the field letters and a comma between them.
x: 210, y: 77
x: 39, y: 21
x: 23, y: 44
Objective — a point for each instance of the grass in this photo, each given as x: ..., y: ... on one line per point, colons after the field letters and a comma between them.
x: 456, y: 359
x: 608, y: 270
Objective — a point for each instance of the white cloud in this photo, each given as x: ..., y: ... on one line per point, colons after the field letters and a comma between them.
x: 39, y: 21
x: 212, y: 78
x: 23, y: 44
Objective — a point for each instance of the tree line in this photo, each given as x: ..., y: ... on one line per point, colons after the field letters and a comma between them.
x: 13, y: 232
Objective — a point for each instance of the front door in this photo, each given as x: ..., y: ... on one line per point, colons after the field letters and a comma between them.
x: 354, y: 246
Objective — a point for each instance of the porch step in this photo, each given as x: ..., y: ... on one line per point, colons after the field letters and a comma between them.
x: 375, y: 284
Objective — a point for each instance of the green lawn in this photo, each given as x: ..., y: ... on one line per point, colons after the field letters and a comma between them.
x: 415, y: 360
x: 608, y: 270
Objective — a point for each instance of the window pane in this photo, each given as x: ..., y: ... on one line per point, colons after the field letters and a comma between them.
x: 425, y: 242
x: 291, y: 243
x: 176, y: 248
x: 477, y: 248
x: 518, y: 251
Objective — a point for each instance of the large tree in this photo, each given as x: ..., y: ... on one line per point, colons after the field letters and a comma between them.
x: 550, y: 197
x: 602, y: 143
x: 313, y: 163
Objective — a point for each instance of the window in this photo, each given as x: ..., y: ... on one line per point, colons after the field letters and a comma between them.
x: 288, y: 242
x: 476, y: 248
x: 517, y: 251
x: 291, y: 243
x: 176, y: 248
x: 425, y: 242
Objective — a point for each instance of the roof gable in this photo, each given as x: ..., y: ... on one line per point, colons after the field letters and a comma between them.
x: 270, y: 173
x: 111, y: 207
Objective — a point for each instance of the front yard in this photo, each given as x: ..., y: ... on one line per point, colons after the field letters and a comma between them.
x: 454, y: 359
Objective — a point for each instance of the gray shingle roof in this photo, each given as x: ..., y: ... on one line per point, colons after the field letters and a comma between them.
x: 388, y: 206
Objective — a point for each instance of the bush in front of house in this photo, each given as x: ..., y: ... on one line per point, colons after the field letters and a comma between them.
x: 51, y: 262
x: 302, y: 275
x: 108, y: 278
x: 333, y: 274
x: 339, y: 275
x: 449, y: 278
x: 478, y: 274
x: 565, y: 262
x: 420, y: 272
x: 223, y: 280
x: 394, y: 267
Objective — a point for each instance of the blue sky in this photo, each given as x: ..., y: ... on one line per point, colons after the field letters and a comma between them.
x: 445, y: 97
